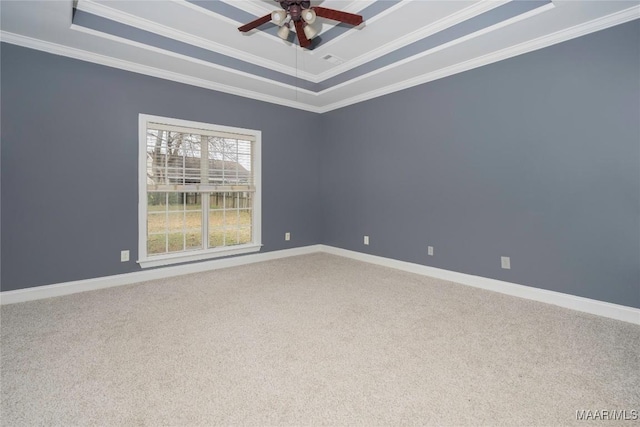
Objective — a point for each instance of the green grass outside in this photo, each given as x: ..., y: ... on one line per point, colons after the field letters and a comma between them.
x: 231, y: 227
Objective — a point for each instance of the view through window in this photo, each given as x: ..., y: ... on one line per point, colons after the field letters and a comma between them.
x: 200, y: 189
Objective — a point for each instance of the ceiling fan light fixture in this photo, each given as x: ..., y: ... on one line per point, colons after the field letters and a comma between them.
x: 301, y: 15
x: 278, y: 16
x: 283, y: 32
x: 310, y: 32
x: 309, y: 16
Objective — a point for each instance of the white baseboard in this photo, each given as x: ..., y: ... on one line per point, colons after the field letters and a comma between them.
x: 600, y: 308
x: 60, y: 289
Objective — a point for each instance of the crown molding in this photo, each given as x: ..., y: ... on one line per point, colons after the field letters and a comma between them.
x: 99, y: 9
x: 119, y: 16
x: 441, y: 24
x: 254, y: 33
x: 602, y: 23
x: 357, y: 6
x: 443, y: 46
x: 261, y: 9
x: 257, y: 8
x: 190, y: 59
x: 583, y: 29
x: 205, y: 11
x: 320, y: 50
x: 108, y: 61
x: 476, y: 9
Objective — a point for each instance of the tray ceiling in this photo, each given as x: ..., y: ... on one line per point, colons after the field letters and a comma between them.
x: 400, y: 44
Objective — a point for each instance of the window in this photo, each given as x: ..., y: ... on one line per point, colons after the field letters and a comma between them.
x: 199, y: 187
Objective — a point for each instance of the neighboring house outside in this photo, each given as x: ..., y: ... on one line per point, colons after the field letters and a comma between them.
x: 186, y: 170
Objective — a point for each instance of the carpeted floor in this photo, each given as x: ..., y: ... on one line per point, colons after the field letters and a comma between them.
x: 310, y: 340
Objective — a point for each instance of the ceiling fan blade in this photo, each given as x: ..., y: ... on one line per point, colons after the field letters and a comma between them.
x: 338, y: 15
x: 253, y: 24
x: 302, y: 38
x: 315, y: 42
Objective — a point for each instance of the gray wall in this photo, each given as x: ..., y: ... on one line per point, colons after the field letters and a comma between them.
x: 536, y: 158
x: 69, y: 164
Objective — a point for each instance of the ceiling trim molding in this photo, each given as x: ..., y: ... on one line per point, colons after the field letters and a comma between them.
x: 125, y: 18
x: 261, y: 9
x: 367, y: 21
x: 297, y: 82
x: 334, y: 31
x: 83, y: 55
x: 579, y: 30
x: 440, y: 47
x: 255, y: 8
x: 208, y: 12
x: 357, y: 6
x: 134, y: 21
x: 190, y: 59
x: 442, y: 24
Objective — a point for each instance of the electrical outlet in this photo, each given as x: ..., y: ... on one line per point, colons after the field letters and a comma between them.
x: 124, y: 256
x: 430, y: 250
x: 366, y: 240
x: 505, y: 262
x: 287, y: 236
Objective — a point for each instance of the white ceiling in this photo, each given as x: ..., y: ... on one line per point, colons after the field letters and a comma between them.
x: 401, y: 44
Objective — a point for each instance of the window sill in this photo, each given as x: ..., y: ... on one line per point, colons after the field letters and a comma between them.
x: 200, y: 255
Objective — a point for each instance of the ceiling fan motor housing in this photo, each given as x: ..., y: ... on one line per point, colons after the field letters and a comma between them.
x: 295, y: 7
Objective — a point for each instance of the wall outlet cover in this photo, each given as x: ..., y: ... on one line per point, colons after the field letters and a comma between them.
x: 505, y: 262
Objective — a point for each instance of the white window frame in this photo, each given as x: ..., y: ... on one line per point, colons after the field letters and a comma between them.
x: 144, y: 259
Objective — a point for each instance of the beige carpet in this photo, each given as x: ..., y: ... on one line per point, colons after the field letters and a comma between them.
x: 310, y: 340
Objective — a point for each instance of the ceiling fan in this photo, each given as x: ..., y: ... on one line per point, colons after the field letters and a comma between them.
x: 302, y: 15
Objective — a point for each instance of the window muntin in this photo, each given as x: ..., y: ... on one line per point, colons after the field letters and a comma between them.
x: 201, y: 191
x: 173, y: 224
x: 230, y: 218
